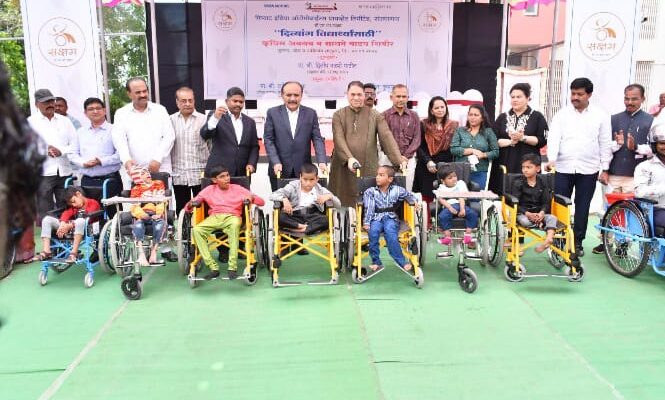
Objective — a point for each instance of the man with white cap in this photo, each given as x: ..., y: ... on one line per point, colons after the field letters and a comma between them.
x: 650, y: 176
x: 58, y: 132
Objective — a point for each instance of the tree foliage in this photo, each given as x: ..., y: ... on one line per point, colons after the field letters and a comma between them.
x: 12, y: 52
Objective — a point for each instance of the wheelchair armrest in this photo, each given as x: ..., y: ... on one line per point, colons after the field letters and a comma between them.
x: 474, y: 187
x: 645, y: 200
x: 125, y: 193
x: 562, y: 200
x: 95, y: 214
x: 195, y: 203
x: 410, y: 202
x: 329, y: 204
x: 511, y: 200
x: 246, y: 202
x: 277, y: 204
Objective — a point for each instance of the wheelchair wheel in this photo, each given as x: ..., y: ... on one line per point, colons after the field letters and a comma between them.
x: 88, y: 280
x: 42, y: 278
x: 131, y: 288
x: 338, y: 241
x: 512, y: 275
x: 467, y: 280
x: 103, y: 249
x: 355, y: 277
x: 119, y: 247
x: 495, y: 237
x: 350, y: 228
x: 555, y: 259
x: 577, y: 276
x: 184, y: 242
x: 626, y: 257
x: 271, y: 248
x: 258, y: 227
x: 421, y: 234
x: 419, y: 279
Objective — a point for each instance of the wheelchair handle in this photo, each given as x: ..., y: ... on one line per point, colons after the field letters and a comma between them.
x: 195, y: 203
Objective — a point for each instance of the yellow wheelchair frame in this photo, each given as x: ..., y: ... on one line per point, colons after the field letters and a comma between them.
x: 324, y: 245
x: 189, y: 258
x: 561, y: 252
x: 412, y: 241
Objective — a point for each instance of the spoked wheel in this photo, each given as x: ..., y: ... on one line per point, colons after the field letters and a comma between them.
x: 10, y: 259
x: 577, y: 276
x: 421, y: 233
x: 88, y: 280
x: 555, y: 259
x: 105, y: 261
x: 512, y: 275
x: 119, y: 248
x: 338, y: 240
x: 626, y: 256
x: 350, y: 238
x: 495, y: 237
x: 467, y: 280
x: 258, y: 224
x: 131, y: 287
x: 183, y: 240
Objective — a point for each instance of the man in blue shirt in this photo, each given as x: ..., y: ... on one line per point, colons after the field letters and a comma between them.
x: 93, y: 151
x: 630, y: 145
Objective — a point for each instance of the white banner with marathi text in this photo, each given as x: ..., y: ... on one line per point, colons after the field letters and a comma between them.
x: 62, y: 50
x: 258, y: 45
x: 601, y: 44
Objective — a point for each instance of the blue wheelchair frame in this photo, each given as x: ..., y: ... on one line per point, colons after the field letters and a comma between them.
x: 62, y: 247
x: 639, y: 228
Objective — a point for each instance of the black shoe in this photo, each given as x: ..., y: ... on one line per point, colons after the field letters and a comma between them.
x: 212, y: 275
x: 232, y: 274
x: 600, y: 249
x: 223, y: 257
x: 579, y: 251
x: 170, y: 256
x: 303, y: 252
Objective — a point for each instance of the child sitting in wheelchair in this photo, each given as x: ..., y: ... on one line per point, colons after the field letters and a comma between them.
x: 225, y: 201
x: 147, y: 213
x: 534, y: 200
x: 380, y: 203
x: 453, y: 207
x: 71, y: 219
x: 303, y: 202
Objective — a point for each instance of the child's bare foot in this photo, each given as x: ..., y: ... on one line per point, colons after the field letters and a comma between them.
x: 143, y: 261
x: 543, y: 246
x: 407, y: 267
x: 300, y: 228
x: 153, y: 258
x: 375, y: 267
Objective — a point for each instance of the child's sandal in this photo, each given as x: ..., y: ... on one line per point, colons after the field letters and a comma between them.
x: 42, y: 256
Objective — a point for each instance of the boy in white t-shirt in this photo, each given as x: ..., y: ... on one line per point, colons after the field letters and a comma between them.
x: 452, y: 207
x: 303, y: 202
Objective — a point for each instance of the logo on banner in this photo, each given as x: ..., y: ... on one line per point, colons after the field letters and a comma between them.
x: 602, y: 36
x: 224, y: 19
x: 61, y: 42
x: 429, y: 20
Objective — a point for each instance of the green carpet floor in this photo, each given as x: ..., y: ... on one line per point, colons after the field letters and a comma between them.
x: 545, y: 338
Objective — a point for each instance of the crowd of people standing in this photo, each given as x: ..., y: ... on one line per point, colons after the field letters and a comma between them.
x: 584, y: 143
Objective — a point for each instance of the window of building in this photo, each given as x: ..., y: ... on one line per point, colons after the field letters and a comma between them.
x: 531, y: 10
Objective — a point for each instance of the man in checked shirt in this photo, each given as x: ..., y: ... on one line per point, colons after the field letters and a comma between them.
x: 405, y: 127
x: 190, y: 152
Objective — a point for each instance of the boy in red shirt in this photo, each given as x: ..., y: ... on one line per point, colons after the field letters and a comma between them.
x: 69, y: 220
x: 225, y: 205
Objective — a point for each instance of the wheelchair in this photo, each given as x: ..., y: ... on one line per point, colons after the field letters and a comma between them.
x: 117, y: 251
x: 88, y: 248
x: 412, y: 235
x: 325, y: 244
x: 631, y: 239
x: 489, y: 235
x: 561, y: 252
x: 252, y: 236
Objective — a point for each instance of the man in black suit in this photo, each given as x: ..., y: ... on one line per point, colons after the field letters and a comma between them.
x: 289, y: 132
x: 235, y: 143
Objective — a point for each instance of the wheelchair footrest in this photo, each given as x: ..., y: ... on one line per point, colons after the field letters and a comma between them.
x: 409, y: 272
x: 444, y: 254
x: 286, y: 283
x: 472, y: 256
x: 545, y: 276
x: 323, y: 282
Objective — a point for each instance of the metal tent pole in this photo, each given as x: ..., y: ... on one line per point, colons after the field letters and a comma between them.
x: 550, y: 75
x: 155, y: 64
x: 105, y: 67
